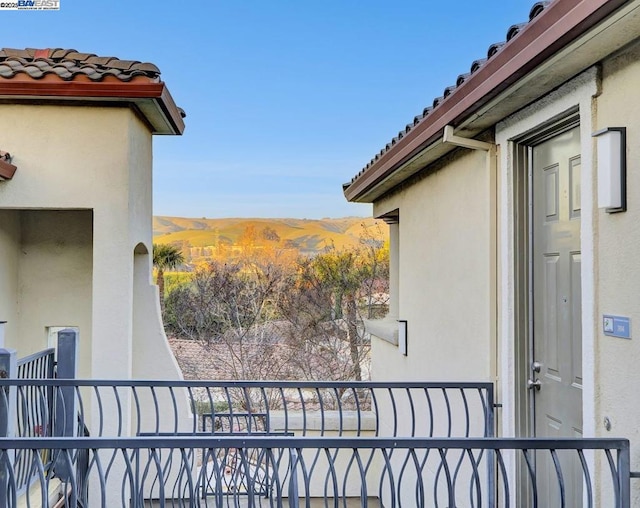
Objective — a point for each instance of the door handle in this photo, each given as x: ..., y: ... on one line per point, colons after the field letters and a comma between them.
x: 534, y: 384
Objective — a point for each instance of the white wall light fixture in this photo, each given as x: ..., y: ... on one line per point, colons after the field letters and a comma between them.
x: 402, y: 337
x: 612, y: 168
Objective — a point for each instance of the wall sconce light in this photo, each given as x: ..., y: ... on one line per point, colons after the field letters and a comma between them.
x: 612, y: 168
x: 402, y: 337
x: 7, y: 169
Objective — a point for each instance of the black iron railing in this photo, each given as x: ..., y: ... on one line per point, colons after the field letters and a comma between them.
x: 293, y: 471
x: 124, y: 407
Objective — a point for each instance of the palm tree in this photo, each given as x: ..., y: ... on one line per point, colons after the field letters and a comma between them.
x: 165, y: 257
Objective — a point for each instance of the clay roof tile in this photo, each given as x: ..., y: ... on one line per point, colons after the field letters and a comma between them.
x: 69, y: 63
x: 538, y: 8
x: 477, y: 64
x: 494, y: 48
x: 514, y: 30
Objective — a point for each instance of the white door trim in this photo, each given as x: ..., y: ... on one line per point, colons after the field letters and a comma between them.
x: 577, y: 92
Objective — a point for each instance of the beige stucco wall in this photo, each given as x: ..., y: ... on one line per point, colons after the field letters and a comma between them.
x: 618, y: 263
x: 54, y: 274
x: 443, y: 283
x: 97, y: 159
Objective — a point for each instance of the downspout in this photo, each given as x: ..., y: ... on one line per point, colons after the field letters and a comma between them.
x: 492, y: 170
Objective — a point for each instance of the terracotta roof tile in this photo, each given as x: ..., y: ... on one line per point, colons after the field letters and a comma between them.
x: 69, y: 63
x: 514, y: 30
x: 475, y: 66
x: 449, y: 90
x: 462, y: 78
x: 494, y: 48
x: 538, y: 8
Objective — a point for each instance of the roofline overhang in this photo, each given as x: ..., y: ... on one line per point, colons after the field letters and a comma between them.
x: 562, y: 24
x: 153, y: 100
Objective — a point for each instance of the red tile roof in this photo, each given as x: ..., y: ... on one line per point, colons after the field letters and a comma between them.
x: 68, y: 75
x: 68, y: 64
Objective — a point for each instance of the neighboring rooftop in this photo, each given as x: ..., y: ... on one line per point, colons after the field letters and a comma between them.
x: 69, y: 75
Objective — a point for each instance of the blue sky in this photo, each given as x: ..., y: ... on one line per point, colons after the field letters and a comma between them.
x: 286, y: 100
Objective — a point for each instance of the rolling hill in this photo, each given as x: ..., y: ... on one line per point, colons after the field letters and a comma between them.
x: 309, y: 236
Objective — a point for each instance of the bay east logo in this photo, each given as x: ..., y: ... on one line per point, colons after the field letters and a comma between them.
x: 31, y: 5
x: 39, y: 4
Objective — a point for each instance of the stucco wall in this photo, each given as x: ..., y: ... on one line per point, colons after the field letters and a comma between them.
x: 54, y: 274
x: 618, y: 262
x: 444, y: 249
x: 97, y: 159
x: 9, y: 249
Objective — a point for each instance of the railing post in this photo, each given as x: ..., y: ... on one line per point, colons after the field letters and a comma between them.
x: 66, y: 418
x: 624, y: 475
x: 294, y: 495
x: 8, y: 415
x: 490, y: 431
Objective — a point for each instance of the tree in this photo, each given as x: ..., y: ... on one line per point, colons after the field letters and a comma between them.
x: 343, y: 273
x: 165, y: 257
x: 271, y: 313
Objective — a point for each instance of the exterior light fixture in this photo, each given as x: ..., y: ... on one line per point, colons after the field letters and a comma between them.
x: 402, y: 336
x: 612, y: 168
x: 7, y: 169
x: 2, y: 325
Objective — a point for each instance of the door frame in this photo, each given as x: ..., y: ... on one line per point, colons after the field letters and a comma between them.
x: 544, y: 117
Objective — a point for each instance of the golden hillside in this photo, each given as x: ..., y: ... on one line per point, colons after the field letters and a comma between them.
x: 307, y: 235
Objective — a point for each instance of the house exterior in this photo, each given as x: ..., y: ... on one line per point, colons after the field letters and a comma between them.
x: 507, y: 262
x: 76, y: 207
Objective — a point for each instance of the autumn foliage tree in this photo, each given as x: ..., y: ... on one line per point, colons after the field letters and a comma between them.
x: 279, y: 315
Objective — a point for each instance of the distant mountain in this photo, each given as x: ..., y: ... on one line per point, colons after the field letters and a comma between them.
x: 309, y: 236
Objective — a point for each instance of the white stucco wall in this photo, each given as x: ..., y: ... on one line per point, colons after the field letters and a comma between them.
x: 97, y: 159
x: 443, y: 286
x: 54, y: 274
x: 618, y: 264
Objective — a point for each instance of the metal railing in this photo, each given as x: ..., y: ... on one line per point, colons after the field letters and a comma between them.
x: 33, y: 418
x: 385, y: 409
x: 40, y: 365
x: 337, y: 472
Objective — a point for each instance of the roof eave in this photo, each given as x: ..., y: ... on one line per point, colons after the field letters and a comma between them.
x: 496, y: 89
x: 152, y: 99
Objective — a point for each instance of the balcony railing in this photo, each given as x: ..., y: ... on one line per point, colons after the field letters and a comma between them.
x: 277, y: 444
x: 386, y: 409
x: 272, y: 471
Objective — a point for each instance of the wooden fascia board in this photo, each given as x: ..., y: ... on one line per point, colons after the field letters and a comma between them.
x: 560, y: 24
x: 136, y: 93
